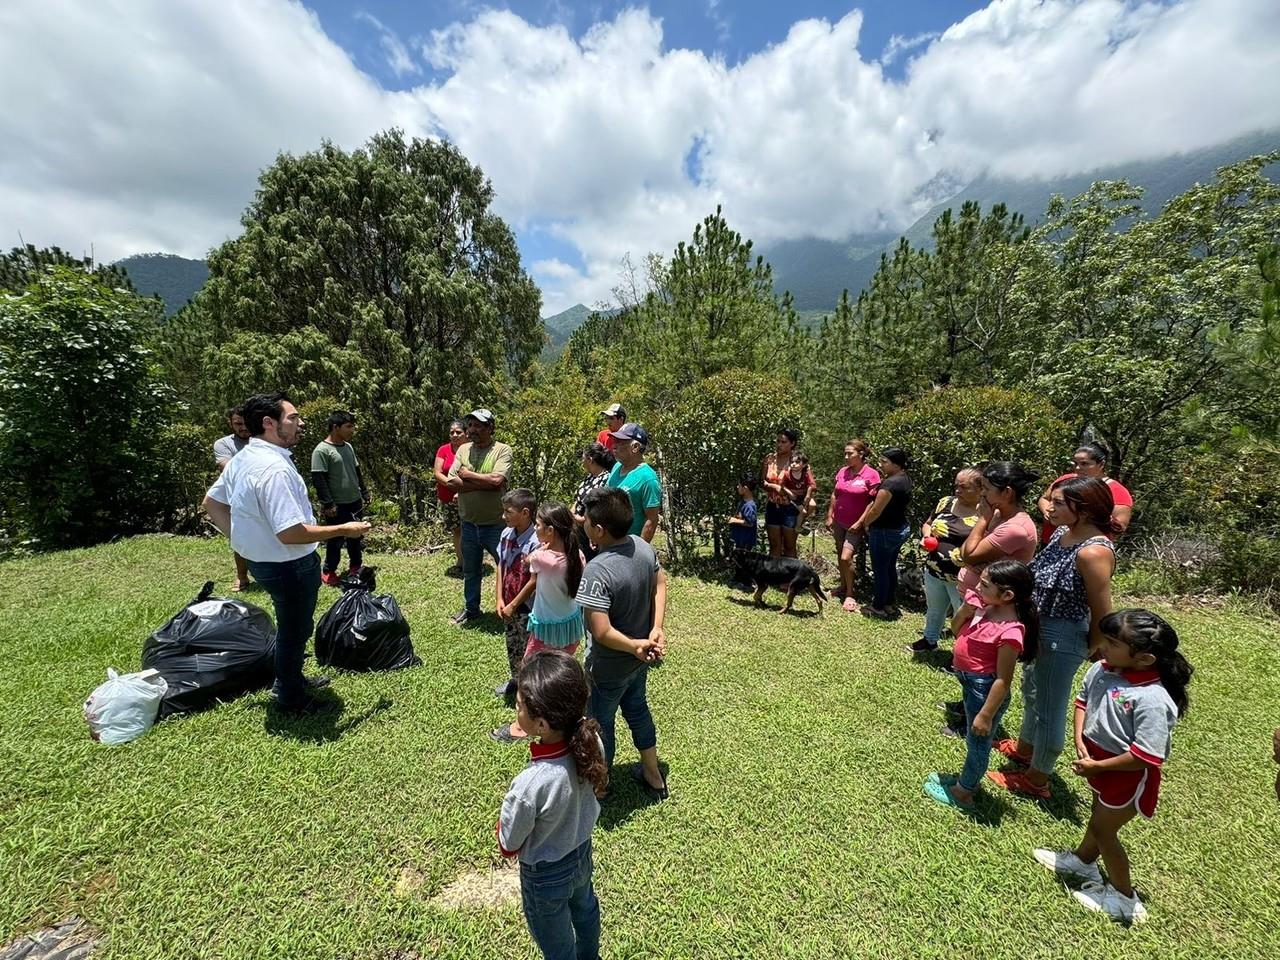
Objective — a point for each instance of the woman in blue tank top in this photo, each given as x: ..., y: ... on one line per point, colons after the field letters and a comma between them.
x: 1072, y: 594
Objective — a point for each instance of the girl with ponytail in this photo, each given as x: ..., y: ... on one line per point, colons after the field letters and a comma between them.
x: 552, y: 806
x: 1124, y: 721
x: 996, y: 626
x: 555, y: 570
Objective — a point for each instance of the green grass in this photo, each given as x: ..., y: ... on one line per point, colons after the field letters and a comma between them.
x: 796, y: 826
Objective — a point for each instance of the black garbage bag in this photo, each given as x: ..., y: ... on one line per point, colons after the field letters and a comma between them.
x: 363, y: 630
x: 213, y: 649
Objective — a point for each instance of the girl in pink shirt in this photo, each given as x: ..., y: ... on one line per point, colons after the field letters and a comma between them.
x: 555, y: 569
x: 996, y: 626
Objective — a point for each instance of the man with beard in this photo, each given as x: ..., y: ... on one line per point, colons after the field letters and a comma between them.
x: 261, y: 503
x: 224, y: 449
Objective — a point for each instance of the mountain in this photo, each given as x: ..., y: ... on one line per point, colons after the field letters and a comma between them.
x: 173, y: 279
x: 562, y: 325
x: 816, y: 271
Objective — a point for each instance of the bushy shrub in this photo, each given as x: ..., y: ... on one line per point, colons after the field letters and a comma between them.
x: 82, y: 413
x: 549, y: 424
x: 719, y: 429
x: 946, y: 430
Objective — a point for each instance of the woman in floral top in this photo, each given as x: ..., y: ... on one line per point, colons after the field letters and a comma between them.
x: 950, y: 524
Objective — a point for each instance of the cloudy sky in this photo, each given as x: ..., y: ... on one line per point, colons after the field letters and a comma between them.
x: 141, y: 125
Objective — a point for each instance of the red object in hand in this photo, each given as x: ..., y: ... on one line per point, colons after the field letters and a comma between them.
x: 930, y: 543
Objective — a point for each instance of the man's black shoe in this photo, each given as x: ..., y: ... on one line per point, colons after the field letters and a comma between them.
x: 310, y: 707
x: 464, y: 616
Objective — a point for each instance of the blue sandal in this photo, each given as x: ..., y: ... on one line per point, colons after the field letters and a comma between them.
x: 941, y: 792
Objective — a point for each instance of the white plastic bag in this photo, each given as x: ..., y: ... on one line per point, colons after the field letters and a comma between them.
x: 125, y: 707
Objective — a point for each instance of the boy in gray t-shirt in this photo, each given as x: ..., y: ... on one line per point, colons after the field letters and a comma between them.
x: 623, y: 593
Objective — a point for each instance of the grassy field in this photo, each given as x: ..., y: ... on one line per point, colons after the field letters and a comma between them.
x: 796, y: 825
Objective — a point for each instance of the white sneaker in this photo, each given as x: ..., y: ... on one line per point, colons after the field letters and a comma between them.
x: 1065, y: 863
x: 1107, y: 899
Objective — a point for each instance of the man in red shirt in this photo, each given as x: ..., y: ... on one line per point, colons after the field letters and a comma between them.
x: 614, y: 418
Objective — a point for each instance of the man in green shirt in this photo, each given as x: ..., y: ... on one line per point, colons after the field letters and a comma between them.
x: 639, y: 480
x: 335, y: 471
x: 479, y: 476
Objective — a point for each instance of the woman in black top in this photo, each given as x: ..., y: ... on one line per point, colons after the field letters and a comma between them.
x: 885, y: 523
x: 597, y: 460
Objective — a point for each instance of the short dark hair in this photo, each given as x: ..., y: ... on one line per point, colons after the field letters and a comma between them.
x: 521, y: 498
x: 609, y: 507
x: 236, y: 411
x: 599, y: 454
x: 748, y: 481
x: 262, y: 405
x: 340, y: 418
x: 895, y: 455
x: 790, y: 433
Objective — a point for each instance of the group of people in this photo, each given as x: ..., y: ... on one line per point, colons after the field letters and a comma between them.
x: 569, y: 572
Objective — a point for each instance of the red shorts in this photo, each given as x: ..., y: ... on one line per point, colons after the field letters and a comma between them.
x: 1119, y: 789
x: 535, y: 645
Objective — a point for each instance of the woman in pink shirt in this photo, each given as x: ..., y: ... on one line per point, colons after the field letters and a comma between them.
x: 448, y: 499
x: 855, y: 486
x: 1004, y: 531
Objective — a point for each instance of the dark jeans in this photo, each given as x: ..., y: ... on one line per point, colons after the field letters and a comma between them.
x: 560, y: 906
x: 293, y: 586
x: 978, y: 753
x: 476, y: 540
x: 885, y: 545
x: 355, y: 545
x: 629, y: 694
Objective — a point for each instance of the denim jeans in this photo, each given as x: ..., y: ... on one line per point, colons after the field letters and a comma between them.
x: 355, y: 545
x: 477, y: 538
x: 942, y: 598
x: 976, y: 687
x: 293, y: 586
x: 1047, y: 684
x: 629, y: 694
x: 560, y: 906
x: 885, y: 545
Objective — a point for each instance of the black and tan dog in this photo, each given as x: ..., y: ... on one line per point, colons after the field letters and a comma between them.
x: 786, y: 573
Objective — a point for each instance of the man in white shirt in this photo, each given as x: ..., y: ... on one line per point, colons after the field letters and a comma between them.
x: 260, y: 501
x: 224, y: 448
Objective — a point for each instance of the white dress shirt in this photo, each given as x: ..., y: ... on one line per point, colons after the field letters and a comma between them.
x: 266, y: 495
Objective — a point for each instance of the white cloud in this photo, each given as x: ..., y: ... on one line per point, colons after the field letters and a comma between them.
x: 142, y: 124
x: 898, y: 45
x: 398, y: 57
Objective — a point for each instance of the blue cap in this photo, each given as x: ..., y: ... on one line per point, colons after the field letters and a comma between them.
x: 632, y: 431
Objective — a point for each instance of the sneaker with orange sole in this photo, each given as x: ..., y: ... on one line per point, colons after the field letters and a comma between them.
x: 1009, y: 748
x: 1016, y: 782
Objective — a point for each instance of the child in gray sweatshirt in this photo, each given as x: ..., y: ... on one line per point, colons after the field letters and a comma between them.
x: 552, y: 806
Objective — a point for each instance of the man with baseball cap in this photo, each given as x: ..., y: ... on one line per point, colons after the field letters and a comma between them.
x: 614, y: 418
x: 479, y: 477
x: 637, y: 479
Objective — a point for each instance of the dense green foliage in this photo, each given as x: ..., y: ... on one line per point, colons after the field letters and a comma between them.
x: 381, y: 281
x: 83, y: 418
x: 962, y: 426
x: 719, y: 430
x: 380, y: 277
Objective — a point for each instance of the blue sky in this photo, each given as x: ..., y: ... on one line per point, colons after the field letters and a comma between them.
x: 731, y: 29
x: 607, y: 130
